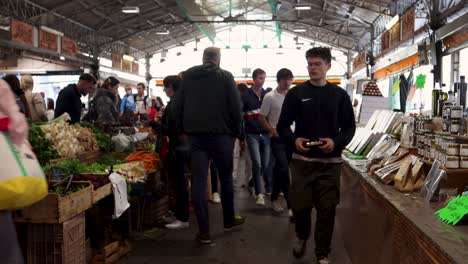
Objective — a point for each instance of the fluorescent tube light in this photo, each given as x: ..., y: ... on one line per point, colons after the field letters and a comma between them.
x: 130, y: 9
x: 162, y: 32
x: 299, y: 30
x: 303, y: 7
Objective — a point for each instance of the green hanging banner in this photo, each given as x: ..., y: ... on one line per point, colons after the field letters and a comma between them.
x: 454, y: 211
x: 420, y: 81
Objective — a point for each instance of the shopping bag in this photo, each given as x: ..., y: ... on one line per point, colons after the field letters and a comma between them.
x: 22, y: 181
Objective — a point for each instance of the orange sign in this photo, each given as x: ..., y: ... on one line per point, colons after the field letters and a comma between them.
x: 116, y: 61
x: 396, y: 67
x: 126, y: 65
x: 69, y: 46
x: 407, y: 24
x: 135, y: 67
x: 360, y: 61
x: 385, y: 41
x: 48, y: 41
x: 22, y: 32
x: 395, y: 35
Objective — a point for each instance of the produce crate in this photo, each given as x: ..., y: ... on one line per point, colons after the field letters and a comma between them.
x: 89, y: 156
x: 102, y: 192
x: 112, y: 253
x: 57, y: 209
x: 57, y: 243
x: 154, y: 210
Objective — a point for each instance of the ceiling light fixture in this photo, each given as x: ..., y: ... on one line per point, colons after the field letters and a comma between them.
x: 128, y: 57
x: 62, y: 58
x: 300, y: 30
x: 162, y: 32
x: 392, y: 22
x: 130, y: 9
x: 303, y: 7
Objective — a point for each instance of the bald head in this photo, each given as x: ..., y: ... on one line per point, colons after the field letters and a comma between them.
x: 212, y: 55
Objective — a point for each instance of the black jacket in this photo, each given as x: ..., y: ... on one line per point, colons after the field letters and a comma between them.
x: 251, y: 104
x: 68, y: 101
x: 208, y: 102
x: 318, y: 112
x: 102, y: 108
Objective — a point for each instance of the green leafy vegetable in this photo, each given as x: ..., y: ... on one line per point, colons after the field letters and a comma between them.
x: 41, y: 146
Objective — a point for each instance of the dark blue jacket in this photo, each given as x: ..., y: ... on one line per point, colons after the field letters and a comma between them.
x: 251, y: 104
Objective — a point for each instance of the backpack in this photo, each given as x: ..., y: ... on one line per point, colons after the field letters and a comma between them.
x: 144, y: 99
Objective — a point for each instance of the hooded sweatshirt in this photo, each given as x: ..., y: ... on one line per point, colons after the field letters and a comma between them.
x: 102, y: 108
x: 208, y: 102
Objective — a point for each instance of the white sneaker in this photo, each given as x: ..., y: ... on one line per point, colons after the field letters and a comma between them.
x: 276, y: 206
x: 216, y: 198
x: 177, y: 224
x: 324, y: 261
x: 260, y: 200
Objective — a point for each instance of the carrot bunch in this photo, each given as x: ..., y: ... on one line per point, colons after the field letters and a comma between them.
x: 149, y: 158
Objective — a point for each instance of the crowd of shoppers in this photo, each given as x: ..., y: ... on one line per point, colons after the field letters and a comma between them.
x: 248, y: 137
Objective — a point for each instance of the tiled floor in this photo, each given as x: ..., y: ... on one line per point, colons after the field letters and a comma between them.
x: 265, y: 238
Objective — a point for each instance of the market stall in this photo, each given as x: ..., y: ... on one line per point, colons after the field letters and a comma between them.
x: 400, y: 173
x: 102, y: 182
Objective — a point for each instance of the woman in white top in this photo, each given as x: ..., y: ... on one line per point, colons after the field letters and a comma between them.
x: 34, y: 100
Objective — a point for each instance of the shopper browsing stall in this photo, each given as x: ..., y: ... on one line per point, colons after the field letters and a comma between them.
x: 321, y: 112
x: 69, y: 101
x: 102, y: 109
x: 179, y: 152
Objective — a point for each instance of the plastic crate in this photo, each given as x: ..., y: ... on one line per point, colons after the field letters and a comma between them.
x: 57, y: 243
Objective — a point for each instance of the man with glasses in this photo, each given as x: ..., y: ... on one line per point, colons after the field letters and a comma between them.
x: 324, y: 125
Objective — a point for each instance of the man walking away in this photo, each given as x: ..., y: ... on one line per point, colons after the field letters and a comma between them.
x: 210, y: 108
x: 322, y: 112
x: 178, y: 155
x: 258, y: 140
x: 269, y: 116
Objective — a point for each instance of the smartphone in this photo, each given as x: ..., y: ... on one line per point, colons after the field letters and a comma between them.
x: 310, y: 144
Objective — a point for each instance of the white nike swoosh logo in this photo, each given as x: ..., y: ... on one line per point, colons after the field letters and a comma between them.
x: 305, y: 100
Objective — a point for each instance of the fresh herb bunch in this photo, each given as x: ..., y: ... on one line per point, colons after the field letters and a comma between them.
x: 41, y: 146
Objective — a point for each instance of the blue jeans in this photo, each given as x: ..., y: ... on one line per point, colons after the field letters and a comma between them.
x: 260, y: 151
x: 218, y: 148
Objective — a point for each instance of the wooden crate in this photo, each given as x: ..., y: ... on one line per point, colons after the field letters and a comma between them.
x: 57, y: 243
x: 57, y: 209
x: 154, y: 210
x: 89, y: 156
x: 112, y: 253
x: 102, y: 192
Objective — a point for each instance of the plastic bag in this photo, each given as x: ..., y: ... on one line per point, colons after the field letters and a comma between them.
x: 432, y: 181
x: 119, y: 188
x: 122, y: 142
x: 22, y: 181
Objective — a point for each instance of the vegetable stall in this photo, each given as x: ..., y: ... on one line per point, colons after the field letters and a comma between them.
x: 104, y: 183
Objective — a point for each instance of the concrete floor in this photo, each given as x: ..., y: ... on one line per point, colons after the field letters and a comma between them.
x: 265, y: 238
